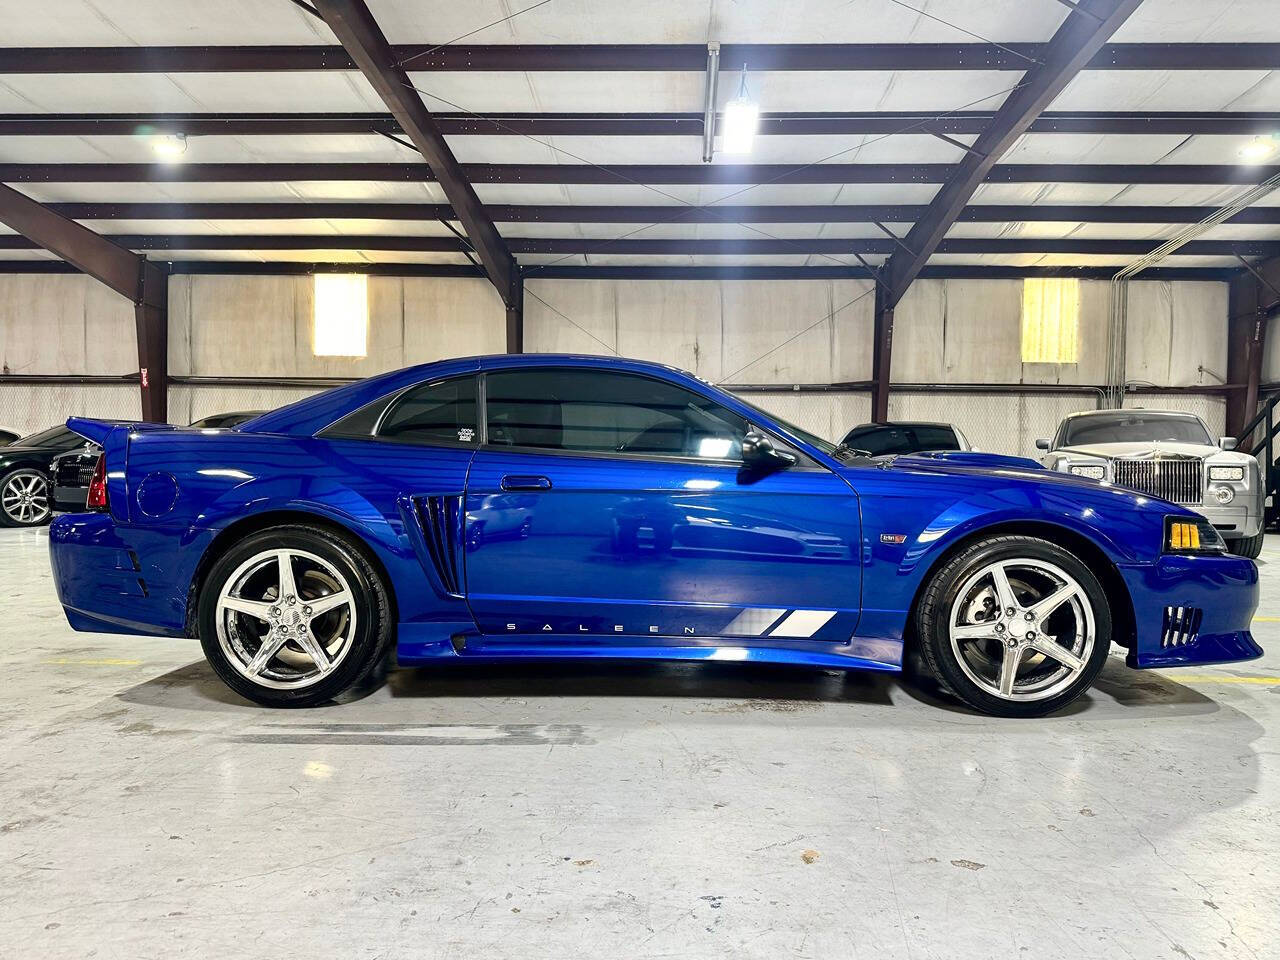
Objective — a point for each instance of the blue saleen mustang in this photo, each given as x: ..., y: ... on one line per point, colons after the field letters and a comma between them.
x: 560, y: 506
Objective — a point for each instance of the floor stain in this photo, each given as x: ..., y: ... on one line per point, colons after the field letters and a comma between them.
x: 810, y: 856
x: 968, y: 864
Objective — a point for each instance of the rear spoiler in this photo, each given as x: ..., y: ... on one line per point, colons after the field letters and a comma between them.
x: 97, y: 431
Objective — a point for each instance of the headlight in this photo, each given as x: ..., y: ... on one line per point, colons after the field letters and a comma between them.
x: 1184, y: 535
x: 1226, y: 473
x: 1094, y: 471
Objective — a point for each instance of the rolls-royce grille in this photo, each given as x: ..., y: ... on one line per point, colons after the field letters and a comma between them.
x: 1180, y: 481
x: 74, y: 472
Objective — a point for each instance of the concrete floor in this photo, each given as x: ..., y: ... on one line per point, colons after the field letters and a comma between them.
x: 622, y: 811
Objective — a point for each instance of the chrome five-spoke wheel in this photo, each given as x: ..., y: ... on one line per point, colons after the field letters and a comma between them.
x: 1015, y: 625
x: 1022, y: 629
x: 24, y: 498
x: 286, y: 618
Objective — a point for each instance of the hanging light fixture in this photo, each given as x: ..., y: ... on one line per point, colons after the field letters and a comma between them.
x: 171, y: 146
x: 741, y: 117
x: 1259, y: 149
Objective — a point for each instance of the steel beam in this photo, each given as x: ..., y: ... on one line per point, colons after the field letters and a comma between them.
x: 1141, y: 123
x: 568, y: 272
x: 359, y: 34
x: 573, y: 213
x: 632, y: 246
x: 128, y: 274
x: 635, y: 57
x: 1074, y: 44
x: 571, y: 173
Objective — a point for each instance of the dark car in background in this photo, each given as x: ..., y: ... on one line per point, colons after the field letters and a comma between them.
x: 8, y: 436
x: 72, y: 471
x: 24, y: 475
x: 885, y: 439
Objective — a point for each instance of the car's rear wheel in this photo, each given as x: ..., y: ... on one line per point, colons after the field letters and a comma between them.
x: 1250, y: 547
x: 24, y: 499
x: 1014, y: 626
x: 292, y: 616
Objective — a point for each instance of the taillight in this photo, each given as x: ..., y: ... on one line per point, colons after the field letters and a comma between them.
x: 97, y: 499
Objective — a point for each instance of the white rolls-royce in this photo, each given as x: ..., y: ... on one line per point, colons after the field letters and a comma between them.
x: 1170, y: 455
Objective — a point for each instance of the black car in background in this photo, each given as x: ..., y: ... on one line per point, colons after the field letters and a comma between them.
x: 73, y: 470
x: 24, y: 475
x: 883, y: 439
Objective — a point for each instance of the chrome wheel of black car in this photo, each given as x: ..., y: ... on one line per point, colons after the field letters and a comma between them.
x: 24, y: 498
x: 1014, y: 626
x: 294, y: 615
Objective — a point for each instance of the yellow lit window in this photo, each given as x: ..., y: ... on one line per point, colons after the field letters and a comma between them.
x: 341, y: 315
x: 1050, y: 321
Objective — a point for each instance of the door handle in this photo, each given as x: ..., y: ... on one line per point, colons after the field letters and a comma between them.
x: 512, y: 482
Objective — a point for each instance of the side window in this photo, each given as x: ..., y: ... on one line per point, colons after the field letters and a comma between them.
x: 442, y: 412
x: 594, y: 411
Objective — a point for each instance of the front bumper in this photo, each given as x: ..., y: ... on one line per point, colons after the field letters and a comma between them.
x: 1241, y: 518
x: 1192, y: 610
x: 70, y: 499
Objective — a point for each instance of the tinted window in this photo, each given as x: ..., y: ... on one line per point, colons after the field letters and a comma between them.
x: 596, y: 411
x: 442, y: 412
x: 881, y: 441
x: 1124, y: 427
x: 57, y: 437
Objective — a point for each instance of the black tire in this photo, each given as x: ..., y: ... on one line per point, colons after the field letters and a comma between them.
x: 933, y: 631
x: 1250, y: 547
x: 374, y: 630
x: 24, y: 475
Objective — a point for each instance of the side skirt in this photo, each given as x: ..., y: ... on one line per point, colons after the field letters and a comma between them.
x: 859, y: 654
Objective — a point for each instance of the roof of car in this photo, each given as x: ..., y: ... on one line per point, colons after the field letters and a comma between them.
x: 1123, y: 410
x: 907, y: 423
x: 316, y: 411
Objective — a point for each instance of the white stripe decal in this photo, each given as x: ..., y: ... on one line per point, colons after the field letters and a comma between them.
x: 802, y: 623
x: 753, y: 622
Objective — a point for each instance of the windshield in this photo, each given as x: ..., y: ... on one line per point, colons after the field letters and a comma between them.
x: 53, y: 437
x: 826, y: 446
x: 1131, y: 427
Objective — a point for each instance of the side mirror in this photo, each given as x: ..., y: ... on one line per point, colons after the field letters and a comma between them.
x: 1042, y: 443
x: 1227, y: 443
x: 759, y: 453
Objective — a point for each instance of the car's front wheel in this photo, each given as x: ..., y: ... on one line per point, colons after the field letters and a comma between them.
x: 1014, y: 626
x: 292, y: 616
x: 24, y: 499
x: 1250, y: 547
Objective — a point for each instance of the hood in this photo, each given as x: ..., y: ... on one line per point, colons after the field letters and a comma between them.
x: 968, y: 458
x: 1143, y: 450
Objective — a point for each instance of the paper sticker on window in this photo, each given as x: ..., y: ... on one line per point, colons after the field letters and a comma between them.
x: 466, y: 434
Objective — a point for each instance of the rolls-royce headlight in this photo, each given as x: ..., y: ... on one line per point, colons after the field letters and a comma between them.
x: 1226, y: 473
x: 1223, y: 495
x: 1094, y: 471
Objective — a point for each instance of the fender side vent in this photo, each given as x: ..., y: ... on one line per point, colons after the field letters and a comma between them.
x: 1181, y: 626
x: 441, y: 519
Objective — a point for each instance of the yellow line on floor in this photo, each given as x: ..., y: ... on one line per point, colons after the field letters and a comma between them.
x: 1209, y: 678
x: 106, y: 662
x: 1266, y: 619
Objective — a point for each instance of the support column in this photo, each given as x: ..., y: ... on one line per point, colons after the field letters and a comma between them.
x: 515, y: 316
x: 881, y: 356
x: 151, y: 317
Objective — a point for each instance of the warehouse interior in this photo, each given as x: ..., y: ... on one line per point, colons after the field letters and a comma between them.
x: 185, y: 190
